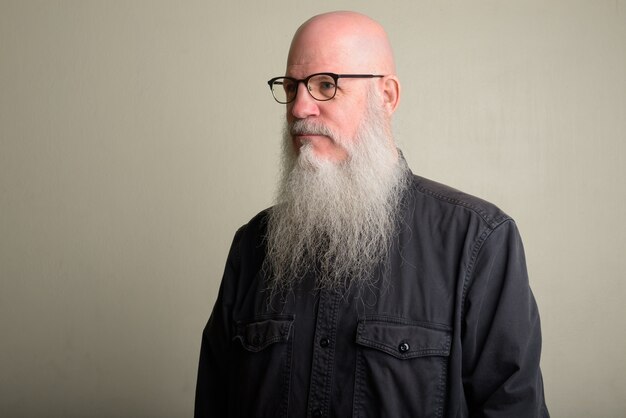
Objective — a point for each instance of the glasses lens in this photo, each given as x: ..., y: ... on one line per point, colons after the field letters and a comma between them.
x: 322, y: 87
x: 284, y: 90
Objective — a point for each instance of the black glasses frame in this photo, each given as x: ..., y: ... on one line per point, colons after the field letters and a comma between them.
x: 305, y: 81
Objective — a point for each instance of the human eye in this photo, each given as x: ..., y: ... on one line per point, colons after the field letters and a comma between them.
x: 327, y: 85
x: 323, y: 87
x: 325, y: 82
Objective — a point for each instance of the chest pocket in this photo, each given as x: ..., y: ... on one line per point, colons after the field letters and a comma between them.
x: 262, y: 350
x: 401, y: 368
x: 258, y: 335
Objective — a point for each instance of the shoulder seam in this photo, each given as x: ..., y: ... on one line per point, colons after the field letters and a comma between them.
x: 492, y: 221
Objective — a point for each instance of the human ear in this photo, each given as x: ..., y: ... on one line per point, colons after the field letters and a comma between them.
x: 391, y: 93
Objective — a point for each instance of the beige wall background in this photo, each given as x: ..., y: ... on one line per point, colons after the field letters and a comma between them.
x: 136, y: 136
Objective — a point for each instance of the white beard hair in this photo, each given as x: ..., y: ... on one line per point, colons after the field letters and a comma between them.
x: 336, y: 219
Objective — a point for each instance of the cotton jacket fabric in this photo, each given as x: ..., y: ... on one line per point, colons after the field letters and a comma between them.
x: 449, y: 329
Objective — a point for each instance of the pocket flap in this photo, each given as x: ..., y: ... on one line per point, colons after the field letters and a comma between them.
x: 404, y: 339
x: 258, y: 334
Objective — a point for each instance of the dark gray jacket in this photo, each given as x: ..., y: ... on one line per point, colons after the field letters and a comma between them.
x: 452, y: 329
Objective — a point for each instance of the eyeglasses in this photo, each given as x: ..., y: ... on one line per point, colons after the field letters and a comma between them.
x: 321, y: 86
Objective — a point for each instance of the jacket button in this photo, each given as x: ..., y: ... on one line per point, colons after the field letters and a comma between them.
x: 404, y: 347
x: 317, y: 413
x: 324, y: 342
x: 256, y: 340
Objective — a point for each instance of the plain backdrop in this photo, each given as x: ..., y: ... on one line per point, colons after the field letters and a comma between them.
x: 137, y: 136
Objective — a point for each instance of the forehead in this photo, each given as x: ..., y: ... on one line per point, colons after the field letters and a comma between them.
x: 304, y: 62
x: 316, y: 49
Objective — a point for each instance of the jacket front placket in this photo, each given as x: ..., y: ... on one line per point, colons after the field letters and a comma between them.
x: 322, y: 367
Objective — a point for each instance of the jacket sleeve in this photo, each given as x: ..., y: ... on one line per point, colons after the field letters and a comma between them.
x: 501, y: 331
x: 212, y: 384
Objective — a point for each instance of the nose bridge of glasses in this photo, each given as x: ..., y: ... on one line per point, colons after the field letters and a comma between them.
x: 307, y: 85
x: 292, y: 85
x: 299, y: 97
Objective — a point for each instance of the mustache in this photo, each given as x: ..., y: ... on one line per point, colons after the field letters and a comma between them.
x: 305, y: 126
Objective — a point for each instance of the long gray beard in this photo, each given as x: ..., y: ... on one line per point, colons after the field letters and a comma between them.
x: 336, y: 220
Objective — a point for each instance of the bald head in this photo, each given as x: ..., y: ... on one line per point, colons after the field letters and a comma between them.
x: 342, y: 42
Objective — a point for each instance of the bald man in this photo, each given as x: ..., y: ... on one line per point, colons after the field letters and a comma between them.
x: 366, y: 291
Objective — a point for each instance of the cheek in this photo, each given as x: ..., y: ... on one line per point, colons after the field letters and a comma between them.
x: 349, y: 117
x: 348, y: 128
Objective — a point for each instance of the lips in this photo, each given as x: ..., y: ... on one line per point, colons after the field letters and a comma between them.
x: 298, y: 133
x: 301, y: 138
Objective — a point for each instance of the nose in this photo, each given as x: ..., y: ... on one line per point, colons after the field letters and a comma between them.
x: 303, y: 105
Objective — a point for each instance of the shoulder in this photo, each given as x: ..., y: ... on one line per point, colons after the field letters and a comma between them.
x: 247, y: 250
x: 253, y: 232
x: 430, y: 195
